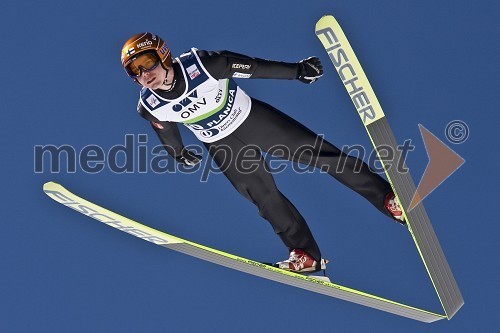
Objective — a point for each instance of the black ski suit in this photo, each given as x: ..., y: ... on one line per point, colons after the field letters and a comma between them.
x: 266, y: 130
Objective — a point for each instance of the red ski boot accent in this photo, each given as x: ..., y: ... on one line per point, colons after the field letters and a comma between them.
x: 393, y: 206
x: 301, y: 262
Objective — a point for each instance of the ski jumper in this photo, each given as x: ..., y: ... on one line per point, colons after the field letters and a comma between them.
x: 236, y: 129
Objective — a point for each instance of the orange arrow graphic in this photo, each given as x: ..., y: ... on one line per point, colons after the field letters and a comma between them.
x: 443, y: 162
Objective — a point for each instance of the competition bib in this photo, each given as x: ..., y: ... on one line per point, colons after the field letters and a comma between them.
x: 211, y: 108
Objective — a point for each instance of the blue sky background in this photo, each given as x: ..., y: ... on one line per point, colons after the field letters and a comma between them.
x: 429, y: 63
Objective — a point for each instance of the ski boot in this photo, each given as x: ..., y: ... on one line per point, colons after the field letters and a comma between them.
x: 393, y: 206
x: 301, y: 262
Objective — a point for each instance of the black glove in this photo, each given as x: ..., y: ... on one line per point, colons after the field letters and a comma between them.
x: 310, y: 70
x: 188, y: 158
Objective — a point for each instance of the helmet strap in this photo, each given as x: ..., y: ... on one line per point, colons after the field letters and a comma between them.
x: 171, y: 84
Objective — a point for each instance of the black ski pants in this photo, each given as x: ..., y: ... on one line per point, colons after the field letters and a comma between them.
x: 269, y: 130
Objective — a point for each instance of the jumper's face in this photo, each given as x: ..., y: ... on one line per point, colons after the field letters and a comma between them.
x: 147, y: 70
x: 153, y: 79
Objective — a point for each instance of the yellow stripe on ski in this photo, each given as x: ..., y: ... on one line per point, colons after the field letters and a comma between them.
x: 67, y: 198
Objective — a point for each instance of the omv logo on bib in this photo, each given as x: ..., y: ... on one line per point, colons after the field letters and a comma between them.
x: 187, y: 107
x: 185, y: 102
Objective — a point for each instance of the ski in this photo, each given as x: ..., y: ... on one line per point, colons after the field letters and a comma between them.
x: 312, y: 283
x: 368, y: 107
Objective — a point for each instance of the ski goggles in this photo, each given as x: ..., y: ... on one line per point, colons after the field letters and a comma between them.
x: 143, y: 63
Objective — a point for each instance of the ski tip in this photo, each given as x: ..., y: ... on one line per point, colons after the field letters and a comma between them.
x: 326, y: 17
x: 326, y: 23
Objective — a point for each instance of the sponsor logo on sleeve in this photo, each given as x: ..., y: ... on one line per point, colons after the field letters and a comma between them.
x: 157, y: 125
x: 241, y: 75
x: 241, y: 66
